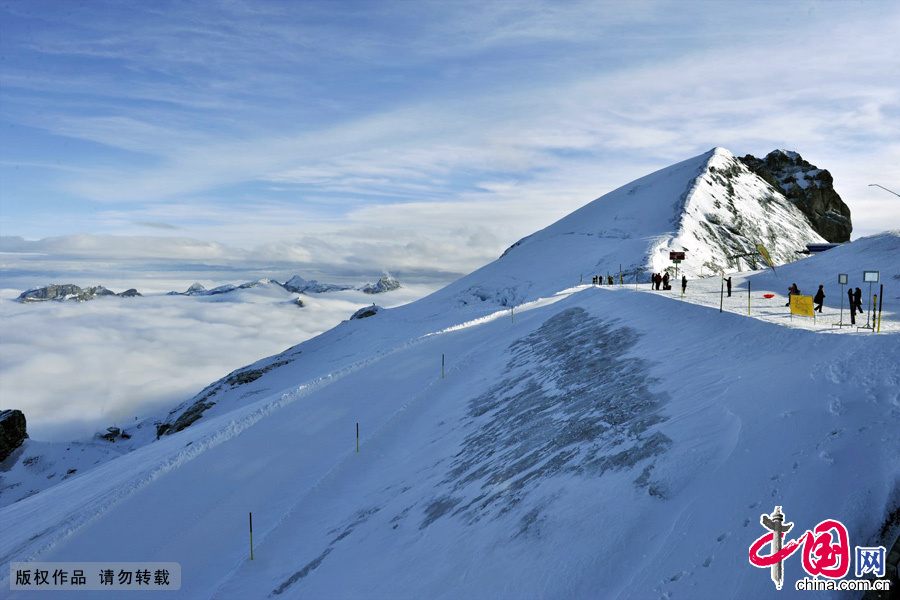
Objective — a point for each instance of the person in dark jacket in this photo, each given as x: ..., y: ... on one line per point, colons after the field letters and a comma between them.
x: 728, y: 285
x: 683, y: 283
x: 666, y: 281
x: 819, y: 298
x: 857, y: 300
x: 793, y: 290
x: 852, y: 306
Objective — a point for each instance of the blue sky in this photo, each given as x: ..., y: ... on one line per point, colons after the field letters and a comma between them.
x: 412, y: 136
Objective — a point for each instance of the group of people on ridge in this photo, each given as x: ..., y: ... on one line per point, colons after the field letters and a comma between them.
x: 598, y: 280
x: 656, y: 280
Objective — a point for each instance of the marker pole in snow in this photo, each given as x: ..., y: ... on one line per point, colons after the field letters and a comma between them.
x: 874, y: 305
x: 357, y: 437
x: 442, y: 366
x: 880, y: 300
x: 251, y: 536
x: 748, y: 298
x: 512, y: 314
x: 722, y: 293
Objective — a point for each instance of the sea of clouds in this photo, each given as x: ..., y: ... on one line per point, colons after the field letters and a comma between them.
x: 75, y: 368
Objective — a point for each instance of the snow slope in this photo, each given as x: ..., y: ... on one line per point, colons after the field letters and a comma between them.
x: 592, y: 442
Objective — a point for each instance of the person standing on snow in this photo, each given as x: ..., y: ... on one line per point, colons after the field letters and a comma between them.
x: 666, y: 281
x: 819, y: 299
x: 683, y: 284
x: 852, y: 307
x: 728, y: 285
x: 857, y: 300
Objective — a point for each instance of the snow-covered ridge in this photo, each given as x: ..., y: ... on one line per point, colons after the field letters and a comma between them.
x: 710, y: 206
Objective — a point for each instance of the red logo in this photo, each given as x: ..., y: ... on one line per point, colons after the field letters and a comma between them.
x: 826, y: 549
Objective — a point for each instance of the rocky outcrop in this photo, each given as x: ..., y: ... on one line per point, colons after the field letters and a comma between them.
x: 366, y: 311
x: 385, y: 284
x: 810, y: 189
x: 68, y: 291
x: 12, y: 431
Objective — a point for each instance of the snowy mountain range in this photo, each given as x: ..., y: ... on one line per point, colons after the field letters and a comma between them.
x: 65, y: 292
x: 520, y: 433
x: 296, y: 285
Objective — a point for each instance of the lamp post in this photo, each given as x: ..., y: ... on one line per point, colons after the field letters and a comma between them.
x: 884, y: 188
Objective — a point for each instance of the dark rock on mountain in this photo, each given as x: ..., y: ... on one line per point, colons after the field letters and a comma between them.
x: 385, y: 284
x: 191, y: 411
x: 70, y: 292
x: 366, y: 311
x: 12, y: 431
x: 810, y: 189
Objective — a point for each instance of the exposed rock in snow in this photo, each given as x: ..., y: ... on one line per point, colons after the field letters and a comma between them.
x: 13, y: 431
x: 366, y: 311
x: 808, y: 187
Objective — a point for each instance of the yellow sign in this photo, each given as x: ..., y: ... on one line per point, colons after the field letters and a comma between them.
x: 802, y: 305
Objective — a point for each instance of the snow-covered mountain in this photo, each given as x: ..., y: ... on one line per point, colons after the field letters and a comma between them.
x: 711, y: 207
x: 61, y: 293
x: 521, y: 435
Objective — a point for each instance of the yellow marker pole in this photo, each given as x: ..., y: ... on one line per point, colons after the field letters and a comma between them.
x: 251, y: 536
x: 874, y: 316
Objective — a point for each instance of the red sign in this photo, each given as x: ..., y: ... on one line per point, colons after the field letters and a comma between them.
x: 676, y: 255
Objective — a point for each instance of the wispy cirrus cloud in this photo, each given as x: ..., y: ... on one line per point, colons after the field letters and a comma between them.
x: 310, y: 105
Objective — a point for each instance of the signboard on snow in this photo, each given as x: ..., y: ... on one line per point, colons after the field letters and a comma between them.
x: 802, y: 305
x: 679, y: 256
x: 870, y: 276
x: 842, y: 279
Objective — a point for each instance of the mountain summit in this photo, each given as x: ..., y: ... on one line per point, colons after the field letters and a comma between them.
x: 711, y: 207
